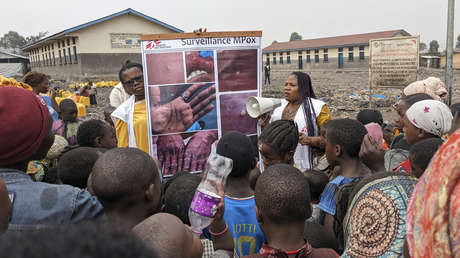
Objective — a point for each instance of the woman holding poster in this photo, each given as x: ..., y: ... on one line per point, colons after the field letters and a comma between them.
x: 300, y: 105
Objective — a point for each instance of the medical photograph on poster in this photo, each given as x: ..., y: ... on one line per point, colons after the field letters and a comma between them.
x: 196, y: 92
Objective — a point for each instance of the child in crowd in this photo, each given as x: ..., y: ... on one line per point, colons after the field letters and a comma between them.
x: 420, y: 155
x: 282, y: 206
x: 278, y: 142
x: 343, y: 143
x: 239, y: 197
x: 92, y: 94
x: 127, y: 183
x: 178, y: 197
x: 317, y: 181
x: 425, y: 119
x: 67, y: 125
x: 167, y: 236
x: 75, y: 166
x: 96, y: 133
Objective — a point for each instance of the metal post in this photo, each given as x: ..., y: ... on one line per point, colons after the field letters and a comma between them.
x: 449, y: 48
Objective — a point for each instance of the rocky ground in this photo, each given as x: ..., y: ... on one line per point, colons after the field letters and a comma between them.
x: 345, y: 91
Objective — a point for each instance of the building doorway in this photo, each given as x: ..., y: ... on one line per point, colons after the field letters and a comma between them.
x: 300, y: 63
x: 340, y: 60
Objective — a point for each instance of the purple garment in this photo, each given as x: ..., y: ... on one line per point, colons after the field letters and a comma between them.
x: 59, y: 128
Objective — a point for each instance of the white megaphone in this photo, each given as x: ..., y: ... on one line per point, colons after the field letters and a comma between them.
x: 257, y: 106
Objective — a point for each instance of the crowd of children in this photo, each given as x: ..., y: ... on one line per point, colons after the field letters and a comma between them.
x: 369, y: 193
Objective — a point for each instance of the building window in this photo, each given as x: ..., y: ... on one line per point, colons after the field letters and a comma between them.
x: 288, y: 58
x: 340, y: 49
x: 316, y: 55
x: 308, y: 58
x: 60, y: 57
x: 65, y: 56
x: 325, y: 56
x: 73, y: 40
x: 361, y: 52
x: 63, y: 43
x: 75, y: 58
x: 300, y: 53
x: 68, y: 42
x: 281, y: 57
x: 268, y: 60
x: 350, y: 54
x: 70, y: 56
x: 52, y: 46
x: 59, y: 44
x: 129, y: 42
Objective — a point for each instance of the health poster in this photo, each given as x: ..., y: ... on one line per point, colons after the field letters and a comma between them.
x: 196, y: 89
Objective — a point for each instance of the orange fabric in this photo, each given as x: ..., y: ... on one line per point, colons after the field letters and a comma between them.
x: 433, y: 217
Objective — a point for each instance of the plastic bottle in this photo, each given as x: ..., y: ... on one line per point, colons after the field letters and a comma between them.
x: 204, y: 204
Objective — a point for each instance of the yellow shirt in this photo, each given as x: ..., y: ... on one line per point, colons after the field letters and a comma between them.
x: 140, y: 129
x: 324, y: 116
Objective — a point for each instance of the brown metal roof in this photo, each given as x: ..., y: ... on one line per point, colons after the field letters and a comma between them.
x: 348, y: 40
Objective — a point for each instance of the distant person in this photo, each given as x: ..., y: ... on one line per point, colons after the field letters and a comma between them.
x: 267, y: 73
x: 40, y: 85
x: 67, y: 125
x: 26, y: 135
x: 92, y: 94
x: 432, y: 86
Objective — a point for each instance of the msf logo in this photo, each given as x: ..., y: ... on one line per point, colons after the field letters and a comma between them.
x: 152, y: 44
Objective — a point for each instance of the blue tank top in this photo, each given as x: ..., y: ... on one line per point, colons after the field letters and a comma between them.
x: 240, y: 216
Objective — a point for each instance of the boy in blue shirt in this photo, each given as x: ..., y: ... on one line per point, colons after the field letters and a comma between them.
x: 240, y: 214
x: 343, y: 143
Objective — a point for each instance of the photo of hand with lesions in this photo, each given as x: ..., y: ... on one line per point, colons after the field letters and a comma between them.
x: 182, y: 108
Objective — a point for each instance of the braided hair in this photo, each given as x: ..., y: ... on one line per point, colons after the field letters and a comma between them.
x: 282, y: 135
x: 306, y: 93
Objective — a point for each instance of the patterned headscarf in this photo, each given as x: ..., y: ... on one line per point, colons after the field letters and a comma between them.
x: 375, y: 222
x: 433, y: 215
x: 430, y: 115
x: 432, y: 86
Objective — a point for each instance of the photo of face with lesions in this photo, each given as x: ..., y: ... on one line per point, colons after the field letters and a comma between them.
x: 165, y: 68
x: 237, y: 70
x: 182, y: 108
x: 200, y: 66
x: 233, y: 114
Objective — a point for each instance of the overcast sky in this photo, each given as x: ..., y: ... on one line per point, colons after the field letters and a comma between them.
x: 277, y: 19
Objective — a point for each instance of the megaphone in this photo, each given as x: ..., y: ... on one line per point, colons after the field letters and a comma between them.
x: 256, y: 106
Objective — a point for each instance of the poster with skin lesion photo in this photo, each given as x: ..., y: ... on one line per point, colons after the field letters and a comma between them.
x: 194, y: 97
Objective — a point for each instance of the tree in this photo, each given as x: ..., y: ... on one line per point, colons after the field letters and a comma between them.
x: 458, y: 41
x: 33, y: 38
x: 434, y: 46
x: 295, y: 36
x: 422, y: 46
x: 12, y: 39
x: 274, y: 41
